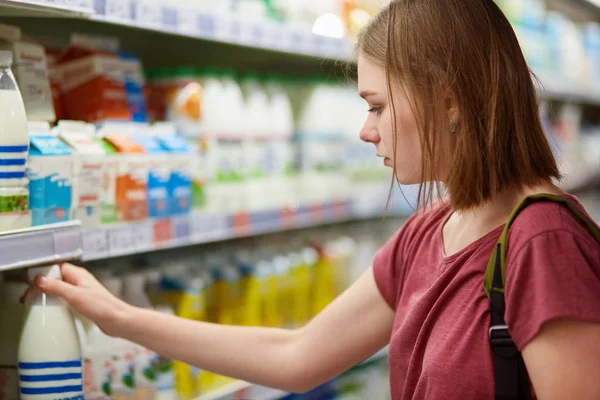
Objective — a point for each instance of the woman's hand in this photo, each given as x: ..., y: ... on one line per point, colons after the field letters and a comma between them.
x: 88, y: 297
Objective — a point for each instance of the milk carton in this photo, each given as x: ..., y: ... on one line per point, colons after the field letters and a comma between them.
x: 11, y: 320
x: 159, y: 171
x: 180, y: 164
x: 88, y: 169
x: 132, y: 170
x: 49, y: 351
x: 93, y: 85
x: 50, y: 173
x: 134, y: 87
x: 31, y: 71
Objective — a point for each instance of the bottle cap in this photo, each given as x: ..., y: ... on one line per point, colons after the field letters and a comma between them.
x: 51, y: 272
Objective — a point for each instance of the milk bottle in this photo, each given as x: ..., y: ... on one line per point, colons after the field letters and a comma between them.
x: 97, y: 362
x: 11, y: 321
x: 14, y: 139
x: 49, y: 352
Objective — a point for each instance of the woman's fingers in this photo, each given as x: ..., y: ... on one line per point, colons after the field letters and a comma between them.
x: 75, y: 275
x: 57, y: 287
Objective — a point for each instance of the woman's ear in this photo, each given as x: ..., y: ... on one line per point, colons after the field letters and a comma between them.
x: 452, y: 107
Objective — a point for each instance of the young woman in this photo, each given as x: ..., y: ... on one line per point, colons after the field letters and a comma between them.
x: 450, y: 100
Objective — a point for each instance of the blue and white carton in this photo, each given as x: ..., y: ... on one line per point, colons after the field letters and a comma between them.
x: 50, y: 173
x: 159, y: 172
x: 180, y: 163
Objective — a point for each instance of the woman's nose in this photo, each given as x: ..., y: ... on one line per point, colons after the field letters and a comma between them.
x: 369, y: 134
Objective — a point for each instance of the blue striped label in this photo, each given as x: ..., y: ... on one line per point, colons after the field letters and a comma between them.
x: 61, y: 380
x: 50, y: 364
x: 53, y: 390
x: 12, y: 175
x: 13, y: 149
x: 8, y: 162
x: 50, y: 377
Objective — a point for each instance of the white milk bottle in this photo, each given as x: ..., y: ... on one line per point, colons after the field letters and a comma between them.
x: 151, y: 370
x: 14, y: 136
x: 11, y: 321
x: 122, y: 355
x: 97, y: 362
x: 49, y: 352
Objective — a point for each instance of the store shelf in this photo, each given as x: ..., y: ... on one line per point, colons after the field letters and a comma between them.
x: 40, y: 246
x: 244, y: 390
x: 49, y: 8
x: 198, y: 228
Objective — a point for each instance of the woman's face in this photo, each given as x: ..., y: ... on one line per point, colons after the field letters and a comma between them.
x: 379, y: 127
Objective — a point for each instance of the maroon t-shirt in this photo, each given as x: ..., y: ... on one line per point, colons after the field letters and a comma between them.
x: 439, y: 347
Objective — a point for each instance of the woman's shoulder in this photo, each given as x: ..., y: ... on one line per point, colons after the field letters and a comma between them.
x: 546, y: 218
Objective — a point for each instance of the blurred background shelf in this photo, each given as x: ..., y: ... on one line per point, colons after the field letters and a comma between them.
x: 200, y: 228
x: 40, y: 246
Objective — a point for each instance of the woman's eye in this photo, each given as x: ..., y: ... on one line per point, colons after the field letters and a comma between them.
x: 375, y: 110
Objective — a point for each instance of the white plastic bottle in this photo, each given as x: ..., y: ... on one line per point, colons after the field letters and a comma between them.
x: 153, y: 374
x: 122, y: 354
x: 12, y: 313
x: 14, y: 136
x: 49, y: 353
x: 97, y: 363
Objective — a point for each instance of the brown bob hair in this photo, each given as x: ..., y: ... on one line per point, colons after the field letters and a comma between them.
x: 466, y: 48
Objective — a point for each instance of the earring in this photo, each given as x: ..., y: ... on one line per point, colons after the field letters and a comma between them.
x: 452, y: 126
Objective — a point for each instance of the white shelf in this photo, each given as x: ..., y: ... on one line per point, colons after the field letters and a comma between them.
x: 40, y: 246
x: 48, y: 8
x: 199, y: 228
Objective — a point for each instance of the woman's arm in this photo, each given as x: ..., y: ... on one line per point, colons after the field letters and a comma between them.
x: 563, y: 360
x: 353, y: 327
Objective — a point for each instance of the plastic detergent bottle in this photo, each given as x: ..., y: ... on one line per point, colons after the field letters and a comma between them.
x: 49, y: 353
x: 11, y: 321
x: 14, y: 137
x: 153, y: 374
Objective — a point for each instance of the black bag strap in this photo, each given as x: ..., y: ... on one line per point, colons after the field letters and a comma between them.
x: 511, y: 378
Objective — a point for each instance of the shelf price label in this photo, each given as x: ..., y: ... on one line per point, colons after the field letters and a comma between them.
x: 241, y: 224
x: 163, y: 231
x: 121, y: 240
x: 340, y: 210
x: 148, y: 13
x: 118, y: 9
x: 316, y: 213
x: 170, y: 17
x: 144, y: 236
x: 181, y: 227
x: 206, y: 26
x: 188, y: 22
x: 288, y: 217
x: 95, y: 243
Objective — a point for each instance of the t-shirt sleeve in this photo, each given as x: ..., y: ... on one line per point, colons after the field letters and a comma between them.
x: 385, y: 266
x: 555, y: 274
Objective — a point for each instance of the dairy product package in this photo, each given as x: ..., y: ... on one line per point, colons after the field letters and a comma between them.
x: 52, y: 57
x: 88, y: 170
x: 132, y: 170
x: 108, y: 198
x: 134, y: 87
x: 50, y: 173
x: 159, y: 170
x: 12, y: 313
x: 49, y: 346
x: 180, y: 159
x: 31, y: 71
x: 14, y: 142
x: 93, y: 84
